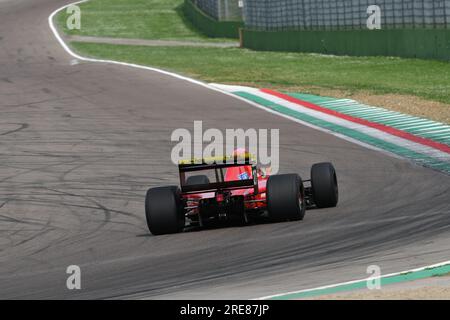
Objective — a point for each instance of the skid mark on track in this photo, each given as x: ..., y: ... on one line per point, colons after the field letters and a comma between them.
x: 38, y: 169
x: 21, y: 126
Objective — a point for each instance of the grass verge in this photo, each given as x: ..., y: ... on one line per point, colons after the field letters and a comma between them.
x: 417, y: 87
x: 423, y: 85
x: 137, y: 19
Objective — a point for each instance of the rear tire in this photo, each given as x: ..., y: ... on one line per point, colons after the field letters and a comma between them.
x: 164, y: 211
x: 197, y: 180
x: 285, y: 197
x: 324, y: 185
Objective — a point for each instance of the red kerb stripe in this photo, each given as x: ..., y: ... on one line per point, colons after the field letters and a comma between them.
x: 395, y: 132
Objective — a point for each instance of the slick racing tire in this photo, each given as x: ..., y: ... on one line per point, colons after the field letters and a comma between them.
x: 285, y: 198
x: 164, y: 211
x: 324, y: 185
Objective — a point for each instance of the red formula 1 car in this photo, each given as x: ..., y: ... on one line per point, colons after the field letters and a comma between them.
x: 236, y: 190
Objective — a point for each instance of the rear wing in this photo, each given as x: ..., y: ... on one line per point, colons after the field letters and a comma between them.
x: 218, y: 164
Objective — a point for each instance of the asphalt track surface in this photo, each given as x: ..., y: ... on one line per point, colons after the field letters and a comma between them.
x: 80, y: 144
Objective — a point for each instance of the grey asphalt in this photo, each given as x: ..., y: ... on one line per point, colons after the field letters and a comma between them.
x: 81, y: 143
x: 152, y: 43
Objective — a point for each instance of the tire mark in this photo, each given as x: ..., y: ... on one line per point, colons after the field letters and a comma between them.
x: 22, y: 126
x: 97, y: 205
x: 38, y: 169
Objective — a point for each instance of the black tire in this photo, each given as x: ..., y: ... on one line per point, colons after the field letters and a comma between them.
x: 324, y: 185
x: 285, y: 197
x: 197, y: 180
x: 164, y: 211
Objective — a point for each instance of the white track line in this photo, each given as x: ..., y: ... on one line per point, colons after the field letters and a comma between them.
x: 205, y: 85
x: 372, y: 132
x: 356, y: 281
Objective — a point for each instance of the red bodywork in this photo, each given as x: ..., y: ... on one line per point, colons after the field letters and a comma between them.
x: 252, y: 200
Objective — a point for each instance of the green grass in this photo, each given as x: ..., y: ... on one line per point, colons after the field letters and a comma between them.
x: 308, y: 73
x: 381, y: 75
x: 139, y: 19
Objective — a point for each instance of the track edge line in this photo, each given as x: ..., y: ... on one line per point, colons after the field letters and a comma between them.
x: 280, y: 295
